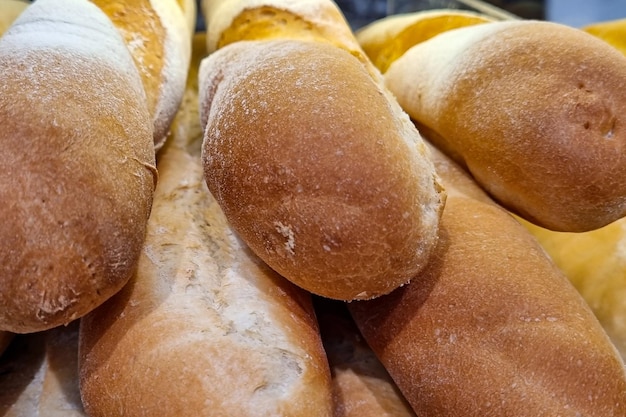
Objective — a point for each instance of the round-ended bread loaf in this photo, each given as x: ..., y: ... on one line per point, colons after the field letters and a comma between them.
x: 317, y: 168
x: 77, y: 164
x: 491, y: 327
x: 534, y: 110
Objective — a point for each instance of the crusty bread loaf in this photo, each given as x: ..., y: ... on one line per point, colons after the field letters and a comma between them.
x: 388, y: 38
x: 534, y: 110
x: 9, y: 11
x: 361, y: 385
x: 316, y: 167
x: 157, y: 34
x: 230, y: 21
x: 204, y: 328
x: 39, y: 375
x: 77, y: 164
x: 492, y: 327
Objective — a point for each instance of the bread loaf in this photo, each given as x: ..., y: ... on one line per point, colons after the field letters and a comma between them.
x: 204, y: 328
x: 388, y: 38
x: 314, y: 181
x: 231, y: 21
x: 77, y: 164
x: 361, y: 385
x: 39, y: 376
x: 534, y: 110
x: 335, y: 193
x: 491, y: 327
x: 158, y: 35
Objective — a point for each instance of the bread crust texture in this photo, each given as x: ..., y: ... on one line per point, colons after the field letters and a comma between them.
x: 316, y: 168
x: 534, y: 110
x: 77, y: 161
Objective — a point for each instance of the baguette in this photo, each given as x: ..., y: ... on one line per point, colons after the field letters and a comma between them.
x: 78, y: 164
x: 313, y: 162
x: 39, y: 375
x: 232, y: 21
x: 158, y: 35
x: 204, y: 327
x: 534, y: 110
x: 492, y: 327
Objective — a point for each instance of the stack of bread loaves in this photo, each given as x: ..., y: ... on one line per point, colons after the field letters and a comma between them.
x: 303, y: 249
x: 204, y: 327
x: 491, y: 327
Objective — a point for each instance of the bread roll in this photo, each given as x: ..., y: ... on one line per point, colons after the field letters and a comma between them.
x: 158, y: 35
x: 39, y: 375
x: 534, y: 110
x: 492, y: 327
x: 204, y: 328
x: 361, y: 385
x: 316, y: 167
x: 9, y: 11
x: 77, y: 164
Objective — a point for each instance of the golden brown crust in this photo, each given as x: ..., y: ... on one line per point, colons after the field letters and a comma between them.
x: 157, y: 35
x: 203, y: 310
x: 491, y: 327
x: 78, y: 181
x: 534, y: 110
x: 230, y: 21
x: 315, y: 168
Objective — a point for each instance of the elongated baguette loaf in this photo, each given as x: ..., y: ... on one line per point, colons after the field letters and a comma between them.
x: 39, y: 375
x: 492, y: 327
x: 534, y: 110
x: 158, y: 35
x: 316, y: 168
x: 204, y: 328
x: 77, y: 162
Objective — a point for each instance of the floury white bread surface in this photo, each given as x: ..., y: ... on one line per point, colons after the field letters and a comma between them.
x: 205, y: 327
x: 317, y: 168
x: 77, y: 162
x: 534, y: 110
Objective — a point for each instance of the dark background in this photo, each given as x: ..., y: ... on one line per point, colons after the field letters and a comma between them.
x: 361, y: 12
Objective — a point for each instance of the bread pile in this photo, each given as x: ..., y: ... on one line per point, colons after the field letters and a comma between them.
x: 269, y: 233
